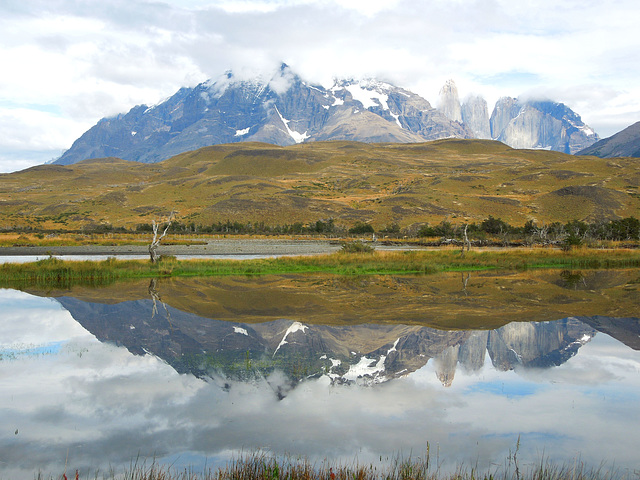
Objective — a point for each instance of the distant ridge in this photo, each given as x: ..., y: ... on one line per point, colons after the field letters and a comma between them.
x: 625, y: 143
x: 284, y: 110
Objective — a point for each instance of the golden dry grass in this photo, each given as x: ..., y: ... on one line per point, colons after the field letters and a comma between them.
x: 409, y: 184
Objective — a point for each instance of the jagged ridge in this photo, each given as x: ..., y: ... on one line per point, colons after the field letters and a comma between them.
x: 284, y: 110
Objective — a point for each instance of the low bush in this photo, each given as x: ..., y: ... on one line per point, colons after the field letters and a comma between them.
x: 356, y: 247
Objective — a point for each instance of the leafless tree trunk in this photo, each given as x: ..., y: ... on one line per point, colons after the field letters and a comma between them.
x: 155, y: 296
x: 465, y: 243
x: 153, y: 247
x: 541, y: 233
x: 465, y: 281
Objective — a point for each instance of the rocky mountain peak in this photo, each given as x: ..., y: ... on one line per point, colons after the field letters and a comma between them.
x: 475, y: 115
x: 505, y: 110
x: 449, y: 103
x: 542, y: 124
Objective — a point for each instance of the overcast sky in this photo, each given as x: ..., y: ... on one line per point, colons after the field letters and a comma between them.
x: 67, y: 63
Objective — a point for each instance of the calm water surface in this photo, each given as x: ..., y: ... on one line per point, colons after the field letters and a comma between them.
x: 97, y: 378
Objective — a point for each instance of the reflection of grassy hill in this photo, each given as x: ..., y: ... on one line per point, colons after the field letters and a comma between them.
x: 445, y: 300
x: 379, y: 183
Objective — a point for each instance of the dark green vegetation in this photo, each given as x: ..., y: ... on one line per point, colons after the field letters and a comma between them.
x: 260, y: 466
x: 494, y: 230
x: 491, y: 231
x: 323, y: 187
x: 56, y: 273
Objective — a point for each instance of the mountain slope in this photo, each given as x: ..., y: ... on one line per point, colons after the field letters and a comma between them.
x: 393, y: 183
x: 281, y: 110
x: 623, y: 144
x: 284, y: 110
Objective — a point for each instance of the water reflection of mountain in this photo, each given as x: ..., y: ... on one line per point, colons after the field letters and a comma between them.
x: 359, y: 353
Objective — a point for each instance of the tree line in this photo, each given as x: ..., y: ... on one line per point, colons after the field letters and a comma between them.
x: 490, y: 231
x: 574, y: 232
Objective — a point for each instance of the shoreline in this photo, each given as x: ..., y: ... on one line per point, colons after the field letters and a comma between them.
x: 213, y: 247
x: 258, y: 247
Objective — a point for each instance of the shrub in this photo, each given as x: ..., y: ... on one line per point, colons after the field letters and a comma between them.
x: 394, y: 228
x: 361, y: 228
x: 356, y: 247
x: 427, y: 231
x: 494, y: 226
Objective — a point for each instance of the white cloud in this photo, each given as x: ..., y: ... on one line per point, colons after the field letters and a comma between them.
x: 33, y: 128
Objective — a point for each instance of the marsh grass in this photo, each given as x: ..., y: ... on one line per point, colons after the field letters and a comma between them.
x: 57, y: 273
x: 263, y: 466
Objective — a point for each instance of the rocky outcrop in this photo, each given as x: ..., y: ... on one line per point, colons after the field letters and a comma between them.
x: 540, y: 345
x: 475, y: 116
x: 625, y: 143
x: 505, y: 110
x: 450, y: 102
x: 540, y: 124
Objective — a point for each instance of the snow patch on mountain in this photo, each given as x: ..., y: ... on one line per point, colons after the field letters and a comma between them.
x: 294, y: 327
x: 297, y: 137
x: 241, y: 331
x: 587, y: 130
x: 369, y: 93
x: 366, y: 366
x: 397, y: 117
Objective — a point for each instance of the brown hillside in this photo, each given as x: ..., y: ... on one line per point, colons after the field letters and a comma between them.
x: 408, y: 184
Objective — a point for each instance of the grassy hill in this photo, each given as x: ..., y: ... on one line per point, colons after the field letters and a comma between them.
x: 407, y: 184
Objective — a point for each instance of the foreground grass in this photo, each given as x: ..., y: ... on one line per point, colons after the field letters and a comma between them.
x: 258, y: 466
x: 55, y: 272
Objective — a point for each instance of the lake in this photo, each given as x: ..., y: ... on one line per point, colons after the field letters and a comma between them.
x: 467, y: 367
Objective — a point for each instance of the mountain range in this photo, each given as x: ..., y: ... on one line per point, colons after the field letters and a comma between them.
x: 362, y: 354
x: 285, y: 110
x: 357, y: 329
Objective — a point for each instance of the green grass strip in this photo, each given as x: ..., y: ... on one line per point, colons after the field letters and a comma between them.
x: 55, y: 272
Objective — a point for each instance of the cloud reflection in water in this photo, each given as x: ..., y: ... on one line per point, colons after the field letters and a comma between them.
x: 104, y: 405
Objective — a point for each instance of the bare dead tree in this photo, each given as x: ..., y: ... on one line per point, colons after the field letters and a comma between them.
x: 155, y: 243
x: 542, y: 233
x: 465, y: 281
x: 465, y: 242
x: 155, y: 296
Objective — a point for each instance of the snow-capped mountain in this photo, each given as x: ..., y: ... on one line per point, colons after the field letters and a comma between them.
x: 284, y: 109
